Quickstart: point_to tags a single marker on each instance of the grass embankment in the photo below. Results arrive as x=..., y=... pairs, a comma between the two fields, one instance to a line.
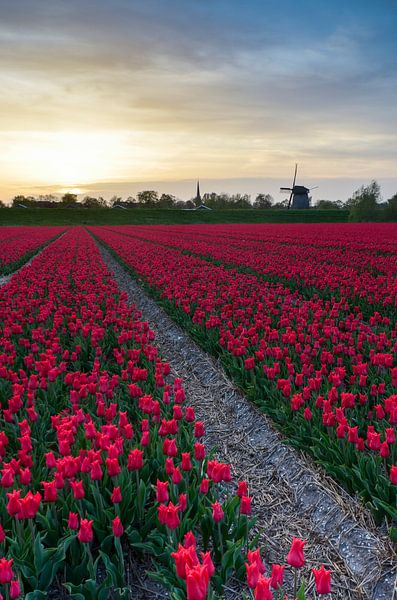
x=141, y=216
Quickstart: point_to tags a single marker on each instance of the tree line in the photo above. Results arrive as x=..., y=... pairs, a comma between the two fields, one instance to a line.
x=365, y=204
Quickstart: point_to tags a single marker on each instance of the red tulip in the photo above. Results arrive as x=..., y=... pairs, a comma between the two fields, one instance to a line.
x=217, y=512
x=50, y=491
x=242, y=489
x=197, y=580
x=393, y=475
x=78, y=489
x=277, y=576
x=323, y=580
x=73, y=520
x=252, y=574
x=117, y=527
x=168, y=515
x=85, y=534
x=135, y=460
x=295, y=556
x=15, y=589
x=116, y=496
x=6, y=573
x=262, y=590
x=245, y=506
x=162, y=491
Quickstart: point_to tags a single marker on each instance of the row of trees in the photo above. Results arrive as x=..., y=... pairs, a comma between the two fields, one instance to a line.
x=364, y=205
x=151, y=199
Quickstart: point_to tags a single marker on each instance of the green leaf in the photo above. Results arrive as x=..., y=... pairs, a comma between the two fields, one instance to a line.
x=301, y=592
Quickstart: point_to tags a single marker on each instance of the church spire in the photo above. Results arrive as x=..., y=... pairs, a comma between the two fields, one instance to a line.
x=198, y=195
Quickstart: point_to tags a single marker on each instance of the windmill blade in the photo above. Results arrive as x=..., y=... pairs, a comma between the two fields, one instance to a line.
x=285, y=189
x=314, y=188
x=296, y=170
x=290, y=198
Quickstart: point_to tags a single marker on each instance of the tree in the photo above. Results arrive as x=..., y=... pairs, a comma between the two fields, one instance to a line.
x=329, y=204
x=282, y=204
x=2, y=204
x=391, y=208
x=148, y=197
x=28, y=201
x=166, y=201
x=263, y=201
x=241, y=201
x=69, y=199
x=91, y=202
x=364, y=203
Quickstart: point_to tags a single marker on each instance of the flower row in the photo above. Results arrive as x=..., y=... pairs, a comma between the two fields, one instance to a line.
x=100, y=452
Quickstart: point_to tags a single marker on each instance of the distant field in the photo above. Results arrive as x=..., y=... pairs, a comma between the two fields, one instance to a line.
x=34, y=216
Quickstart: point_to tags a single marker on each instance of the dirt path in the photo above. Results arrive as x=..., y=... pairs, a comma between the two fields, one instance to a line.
x=291, y=496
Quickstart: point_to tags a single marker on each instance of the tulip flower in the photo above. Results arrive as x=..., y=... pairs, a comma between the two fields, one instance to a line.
x=252, y=574
x=6, y=572
x=162, y=491
x=116, y=496
x=73, y=521
x=262, y=590
x=117, y=527
x=245, y=506
x=277, y=576
x=197, y=580
x=85, y=534
x=15, y=589
x=168, y=515
x=217, y=512
x=295, y=556
x=135, y=460
x=184, y=557
x=323, y=580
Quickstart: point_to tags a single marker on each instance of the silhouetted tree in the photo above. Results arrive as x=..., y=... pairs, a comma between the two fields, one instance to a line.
x=263, y=201
x=391, y=208
x=282, y=204
x=329, y=204
x=69, y=199
x=148, y=198
x=28, y=201
x=363, y=204
x=166, y=201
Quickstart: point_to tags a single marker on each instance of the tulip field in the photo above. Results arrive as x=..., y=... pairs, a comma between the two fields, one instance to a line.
x=102, y=457
x=303, y=318
x=18, y=244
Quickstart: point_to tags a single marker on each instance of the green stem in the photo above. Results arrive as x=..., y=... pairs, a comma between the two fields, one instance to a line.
x=31, y=529
x=295, y=581
x=90, y=561
x=120, y=555
x=220, y=538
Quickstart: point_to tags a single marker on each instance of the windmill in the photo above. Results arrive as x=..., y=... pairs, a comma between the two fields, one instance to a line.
x=299, y=193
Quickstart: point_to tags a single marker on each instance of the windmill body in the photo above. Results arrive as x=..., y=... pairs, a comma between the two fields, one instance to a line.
x=299, y=194
x=300, y=197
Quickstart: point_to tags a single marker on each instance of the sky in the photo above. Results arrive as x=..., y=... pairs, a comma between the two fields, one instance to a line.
x=108, y=98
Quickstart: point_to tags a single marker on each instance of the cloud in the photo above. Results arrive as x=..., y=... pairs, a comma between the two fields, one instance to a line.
x=212, y=87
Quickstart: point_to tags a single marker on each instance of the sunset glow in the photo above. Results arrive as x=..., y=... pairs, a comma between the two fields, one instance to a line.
x=103, y=97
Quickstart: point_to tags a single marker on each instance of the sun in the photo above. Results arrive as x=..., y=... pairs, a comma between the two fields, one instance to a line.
x=65, y=158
